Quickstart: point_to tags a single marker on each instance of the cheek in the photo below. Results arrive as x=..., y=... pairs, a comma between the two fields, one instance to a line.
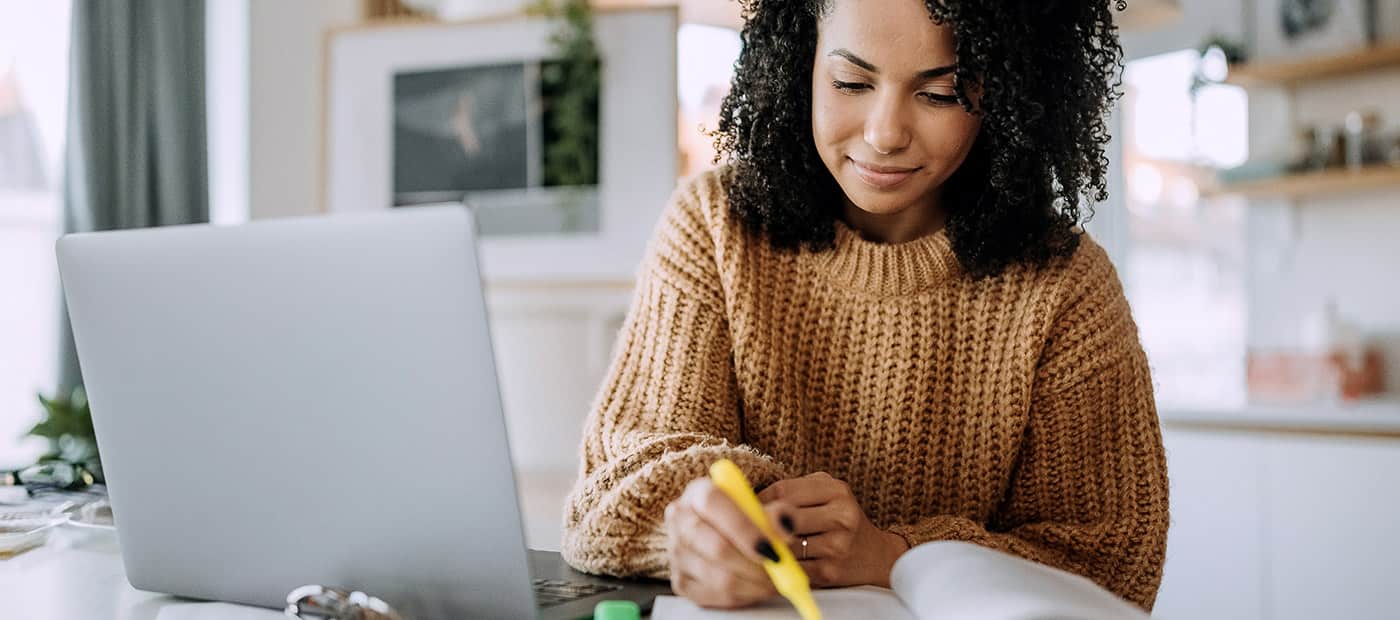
x=832, y=119
x=952, y=138
x=972, y=129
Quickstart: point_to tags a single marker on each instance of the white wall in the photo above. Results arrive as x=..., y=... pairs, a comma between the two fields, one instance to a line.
x=1348, y=246
x=553, y=346
x=1341, y=246
x=35, y=48
x=1200, y=19
x=285, y=86
x=1337, y=246
x=226, y=77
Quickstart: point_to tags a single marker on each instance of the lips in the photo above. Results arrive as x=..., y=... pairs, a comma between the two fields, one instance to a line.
x=882, y=177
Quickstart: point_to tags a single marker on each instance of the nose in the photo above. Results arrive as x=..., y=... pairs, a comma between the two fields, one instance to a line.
x=886, y=129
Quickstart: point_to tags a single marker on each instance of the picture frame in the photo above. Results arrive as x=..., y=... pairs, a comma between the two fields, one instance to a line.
x=1293, y=29
x=432, y=112
x=1387, y=22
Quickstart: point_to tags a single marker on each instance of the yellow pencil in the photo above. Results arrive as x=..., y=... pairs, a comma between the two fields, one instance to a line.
x=786, y=573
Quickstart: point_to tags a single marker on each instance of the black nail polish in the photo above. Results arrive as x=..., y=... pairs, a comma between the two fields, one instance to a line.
x=787, y=524
x=766, y=550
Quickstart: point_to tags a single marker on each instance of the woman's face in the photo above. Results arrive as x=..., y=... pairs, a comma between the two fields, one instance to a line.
x=884, y=116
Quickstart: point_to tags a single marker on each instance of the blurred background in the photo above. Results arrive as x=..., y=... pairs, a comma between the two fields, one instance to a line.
x=1254, y=220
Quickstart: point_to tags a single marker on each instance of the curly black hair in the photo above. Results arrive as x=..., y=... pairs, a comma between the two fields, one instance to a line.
x=1049, y=71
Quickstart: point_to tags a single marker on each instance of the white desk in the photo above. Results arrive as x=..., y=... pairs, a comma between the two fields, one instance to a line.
x=78, y=575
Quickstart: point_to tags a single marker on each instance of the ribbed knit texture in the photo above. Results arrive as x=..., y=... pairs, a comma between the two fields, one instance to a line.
x=1015, y=412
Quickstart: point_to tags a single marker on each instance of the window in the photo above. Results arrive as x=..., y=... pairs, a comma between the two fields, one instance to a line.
x=705, y=57
x=33, y=110
x=1184, y=272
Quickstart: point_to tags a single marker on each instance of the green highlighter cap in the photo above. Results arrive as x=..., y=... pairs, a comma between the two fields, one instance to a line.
x=617, y=610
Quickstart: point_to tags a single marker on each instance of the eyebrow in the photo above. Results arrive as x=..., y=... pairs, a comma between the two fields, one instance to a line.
x=926, y=74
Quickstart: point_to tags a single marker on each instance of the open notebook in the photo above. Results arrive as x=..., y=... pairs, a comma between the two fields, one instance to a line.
x=946, y=580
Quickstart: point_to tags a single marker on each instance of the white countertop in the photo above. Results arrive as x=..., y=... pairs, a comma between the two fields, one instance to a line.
x=79, y=575
x=1379, y=418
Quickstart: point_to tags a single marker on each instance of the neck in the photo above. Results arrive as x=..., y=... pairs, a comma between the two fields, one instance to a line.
x=892, y=228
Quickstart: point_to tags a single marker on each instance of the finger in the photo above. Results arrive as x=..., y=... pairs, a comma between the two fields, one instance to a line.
x=781, y=514
x=704, y=573
x=669, y=517
x=679, y=579
x=831, y=546
x=680, y=583
x=830, y=517
x=715, y=573
x=724, y=516
x=671, y=527
x=820, y=573
x=721, y=584
x=702, y=550
x=809, y=490
x=724, y=594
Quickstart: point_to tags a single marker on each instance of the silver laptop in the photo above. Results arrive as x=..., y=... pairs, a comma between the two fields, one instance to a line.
x=310, y=401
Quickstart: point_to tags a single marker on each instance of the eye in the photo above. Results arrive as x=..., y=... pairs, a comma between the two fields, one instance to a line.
x=940, y=99
x=849, y=87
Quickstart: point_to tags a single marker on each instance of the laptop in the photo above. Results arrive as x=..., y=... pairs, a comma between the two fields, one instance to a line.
x=310, y=401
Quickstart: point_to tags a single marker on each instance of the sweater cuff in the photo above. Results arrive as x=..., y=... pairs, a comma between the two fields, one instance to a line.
x=616, y=527
x=940, y=527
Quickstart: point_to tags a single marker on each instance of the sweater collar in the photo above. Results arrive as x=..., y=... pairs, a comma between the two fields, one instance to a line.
x=889, y=270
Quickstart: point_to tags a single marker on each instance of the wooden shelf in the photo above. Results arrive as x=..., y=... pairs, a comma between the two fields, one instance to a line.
x=1290, y=73
x=1317, y=183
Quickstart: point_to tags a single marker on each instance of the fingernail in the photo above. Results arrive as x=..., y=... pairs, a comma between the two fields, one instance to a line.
x=787, y=524
x=766, y=550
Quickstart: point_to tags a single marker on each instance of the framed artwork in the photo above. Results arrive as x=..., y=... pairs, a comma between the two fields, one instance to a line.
x=426, y=113
x=1290, y=29
x=1387, y=21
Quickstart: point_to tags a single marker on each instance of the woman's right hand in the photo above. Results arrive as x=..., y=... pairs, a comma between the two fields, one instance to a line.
x=716, y=554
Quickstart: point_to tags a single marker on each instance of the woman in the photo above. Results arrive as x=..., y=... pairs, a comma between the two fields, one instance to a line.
x=882, y=308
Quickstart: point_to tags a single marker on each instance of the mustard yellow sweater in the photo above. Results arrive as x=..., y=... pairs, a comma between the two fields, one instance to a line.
x=1014, y=412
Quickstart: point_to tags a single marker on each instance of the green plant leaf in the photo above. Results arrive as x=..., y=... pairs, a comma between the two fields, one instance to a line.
x=67, y=425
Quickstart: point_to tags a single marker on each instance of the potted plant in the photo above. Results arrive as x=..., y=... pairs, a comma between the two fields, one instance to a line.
x=67, y=425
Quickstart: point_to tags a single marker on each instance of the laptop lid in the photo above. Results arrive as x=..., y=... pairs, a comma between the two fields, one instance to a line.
x=309, y=400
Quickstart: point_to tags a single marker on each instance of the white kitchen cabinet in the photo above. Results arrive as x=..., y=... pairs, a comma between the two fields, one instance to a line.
x=1333, y=507
x=1281, y=525
x=1215, y=557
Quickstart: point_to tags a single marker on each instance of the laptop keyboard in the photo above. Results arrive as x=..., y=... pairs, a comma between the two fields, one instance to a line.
x=551, y=592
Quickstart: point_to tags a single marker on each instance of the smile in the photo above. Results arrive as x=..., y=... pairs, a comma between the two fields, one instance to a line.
x=882, y=177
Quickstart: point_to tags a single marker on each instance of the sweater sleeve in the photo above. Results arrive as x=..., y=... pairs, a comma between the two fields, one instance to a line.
x=668, y=407
x=1089, y=492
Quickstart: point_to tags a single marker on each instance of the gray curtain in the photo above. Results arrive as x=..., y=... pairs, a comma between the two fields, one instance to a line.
x=136, y=154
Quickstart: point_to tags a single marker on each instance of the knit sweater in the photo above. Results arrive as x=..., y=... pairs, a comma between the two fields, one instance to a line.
x=1014, y=412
